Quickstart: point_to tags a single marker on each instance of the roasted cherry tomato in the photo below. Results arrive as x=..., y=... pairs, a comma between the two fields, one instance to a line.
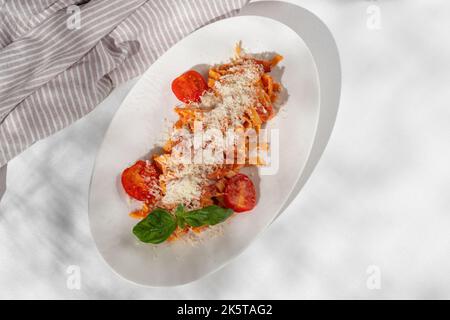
x=240, y=193
x=189, y=87
x=140, y=181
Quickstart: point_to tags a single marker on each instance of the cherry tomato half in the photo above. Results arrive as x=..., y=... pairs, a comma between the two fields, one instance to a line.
x=240, y=193
x=189, y=87
x=140, y=180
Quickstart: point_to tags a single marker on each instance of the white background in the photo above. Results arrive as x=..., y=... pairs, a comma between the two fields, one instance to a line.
x=379, y=196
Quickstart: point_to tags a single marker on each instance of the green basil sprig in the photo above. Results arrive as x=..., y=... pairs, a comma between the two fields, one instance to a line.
x=160, y=224
x=156, y=227
x=207, y=216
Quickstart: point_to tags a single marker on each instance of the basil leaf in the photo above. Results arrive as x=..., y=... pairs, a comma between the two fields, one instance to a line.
x=207, y=216
x=156, y=227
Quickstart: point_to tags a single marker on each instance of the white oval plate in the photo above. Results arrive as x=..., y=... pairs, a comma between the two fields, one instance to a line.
x=137, y=128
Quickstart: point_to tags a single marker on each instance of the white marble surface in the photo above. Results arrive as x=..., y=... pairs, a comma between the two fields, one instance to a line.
x=379, y=196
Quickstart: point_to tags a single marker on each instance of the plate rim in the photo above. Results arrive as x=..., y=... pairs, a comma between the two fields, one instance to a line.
x=130, y=94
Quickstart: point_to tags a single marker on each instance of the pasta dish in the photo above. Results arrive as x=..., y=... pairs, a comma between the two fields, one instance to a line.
x=196, y=181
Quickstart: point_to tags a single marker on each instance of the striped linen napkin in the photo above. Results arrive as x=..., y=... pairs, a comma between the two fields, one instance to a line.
x=61, y=58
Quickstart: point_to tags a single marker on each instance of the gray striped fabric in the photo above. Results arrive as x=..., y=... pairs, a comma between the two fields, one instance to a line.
x=52, y=72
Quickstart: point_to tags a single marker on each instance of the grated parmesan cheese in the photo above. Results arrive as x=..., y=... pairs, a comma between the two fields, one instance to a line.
x=237, y=91
x=232, y=95
x=183, y=190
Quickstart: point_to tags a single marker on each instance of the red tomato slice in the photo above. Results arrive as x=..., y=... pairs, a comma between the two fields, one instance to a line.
x=240, y=193
x=189, y=87
x=140, y=180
